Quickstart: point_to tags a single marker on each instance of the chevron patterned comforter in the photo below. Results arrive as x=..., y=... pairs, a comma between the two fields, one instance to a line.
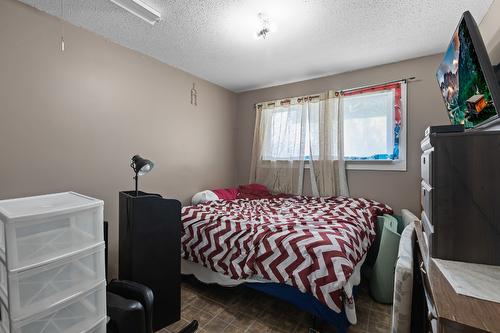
x=312, y=244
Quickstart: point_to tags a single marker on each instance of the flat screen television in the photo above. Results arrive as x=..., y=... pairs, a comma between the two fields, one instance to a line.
x=467, y=80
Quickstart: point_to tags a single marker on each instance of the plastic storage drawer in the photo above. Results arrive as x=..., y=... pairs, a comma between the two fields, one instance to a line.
x=4, y=319
x=39, y=288
x=76, y=315
x=100, y=327
x=41, y=228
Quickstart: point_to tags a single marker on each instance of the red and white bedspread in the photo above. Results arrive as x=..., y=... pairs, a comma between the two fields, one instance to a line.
x=312, y=244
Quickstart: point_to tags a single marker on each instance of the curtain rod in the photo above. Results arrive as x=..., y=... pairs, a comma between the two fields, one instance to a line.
x=408, y=79
x=287, y=100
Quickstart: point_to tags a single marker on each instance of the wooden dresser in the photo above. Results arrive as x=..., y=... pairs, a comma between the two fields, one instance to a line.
x=443, y=310
x=460, y=222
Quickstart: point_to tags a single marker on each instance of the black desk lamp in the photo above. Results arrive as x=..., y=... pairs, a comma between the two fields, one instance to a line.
x=141, y=167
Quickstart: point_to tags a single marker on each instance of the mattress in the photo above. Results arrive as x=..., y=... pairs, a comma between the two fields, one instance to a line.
x=316, y=245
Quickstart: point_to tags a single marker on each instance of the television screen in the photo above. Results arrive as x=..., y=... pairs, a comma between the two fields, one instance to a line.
x=466, y=78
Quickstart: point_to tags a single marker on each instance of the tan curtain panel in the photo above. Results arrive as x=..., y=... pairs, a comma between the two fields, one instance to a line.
x=278, y=149
x=297, y=137
x=327, y=147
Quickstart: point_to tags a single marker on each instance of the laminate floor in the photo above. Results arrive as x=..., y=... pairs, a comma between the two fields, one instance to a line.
x=240, y=309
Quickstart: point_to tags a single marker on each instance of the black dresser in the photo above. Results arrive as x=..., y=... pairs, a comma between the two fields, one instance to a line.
x=460, y=196
x=150, y=250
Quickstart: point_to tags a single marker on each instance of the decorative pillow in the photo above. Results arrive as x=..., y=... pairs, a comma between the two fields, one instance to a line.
x=250, y=191
x=254, y=191
x=226, y=193
x=204, y=196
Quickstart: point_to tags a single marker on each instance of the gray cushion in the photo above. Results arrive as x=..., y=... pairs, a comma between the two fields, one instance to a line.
x=408, y=217
x=403, y=281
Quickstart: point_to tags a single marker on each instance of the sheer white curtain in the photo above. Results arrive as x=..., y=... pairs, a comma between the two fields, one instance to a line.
x=279, y=146
x=292, y=134
x=328, y=175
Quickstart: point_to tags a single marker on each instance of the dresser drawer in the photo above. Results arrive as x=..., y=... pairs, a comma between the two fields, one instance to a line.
x=427, y=231
x=430, y=308
x=426, y=166
x=426, y=193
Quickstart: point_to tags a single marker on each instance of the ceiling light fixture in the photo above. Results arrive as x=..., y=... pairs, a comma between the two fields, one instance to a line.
x=139, y=9
x=266, y=26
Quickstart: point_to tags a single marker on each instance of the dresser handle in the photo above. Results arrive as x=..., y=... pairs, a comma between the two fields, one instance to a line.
x=422, y=269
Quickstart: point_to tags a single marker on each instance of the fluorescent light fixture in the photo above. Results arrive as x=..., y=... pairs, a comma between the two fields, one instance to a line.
x=139, y=9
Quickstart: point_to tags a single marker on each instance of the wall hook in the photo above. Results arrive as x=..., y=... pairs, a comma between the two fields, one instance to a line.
x=194, y=95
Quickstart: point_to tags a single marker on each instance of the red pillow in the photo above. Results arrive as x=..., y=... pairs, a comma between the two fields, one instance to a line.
x=254, y=191
x=226, y=193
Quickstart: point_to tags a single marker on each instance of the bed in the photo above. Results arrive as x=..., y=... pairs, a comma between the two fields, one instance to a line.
x=306, y=250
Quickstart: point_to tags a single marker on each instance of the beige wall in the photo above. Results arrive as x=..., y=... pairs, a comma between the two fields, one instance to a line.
x=425, y=107
x=490, y=30
x=72, y=120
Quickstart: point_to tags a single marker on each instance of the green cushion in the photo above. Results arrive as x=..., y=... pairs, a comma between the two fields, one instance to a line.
x=382, y=275
x=374, y=249
x=391, y=223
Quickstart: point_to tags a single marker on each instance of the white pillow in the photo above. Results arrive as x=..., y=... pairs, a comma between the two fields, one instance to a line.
x=204, y=196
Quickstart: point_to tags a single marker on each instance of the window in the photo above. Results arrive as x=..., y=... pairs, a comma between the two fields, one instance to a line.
x=373, y=127
x=291, y=131
x=374, y=135
x=285, y=136
x=368, y=126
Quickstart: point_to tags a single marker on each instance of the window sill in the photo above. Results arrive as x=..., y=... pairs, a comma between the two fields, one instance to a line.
x=376, y=165
x=365, y=165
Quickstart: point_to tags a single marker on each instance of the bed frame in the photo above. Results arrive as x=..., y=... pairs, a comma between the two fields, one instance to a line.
x=306, y=302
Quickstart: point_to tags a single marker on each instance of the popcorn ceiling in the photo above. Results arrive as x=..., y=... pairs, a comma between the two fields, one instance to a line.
x=214, y=39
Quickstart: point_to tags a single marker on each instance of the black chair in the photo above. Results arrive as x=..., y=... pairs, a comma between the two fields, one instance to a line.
x=129, y=306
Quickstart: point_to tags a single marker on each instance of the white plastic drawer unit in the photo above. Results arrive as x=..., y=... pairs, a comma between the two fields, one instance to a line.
x=41, y=228
x=100, y=327
x=36, y=289
x=82, y=313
